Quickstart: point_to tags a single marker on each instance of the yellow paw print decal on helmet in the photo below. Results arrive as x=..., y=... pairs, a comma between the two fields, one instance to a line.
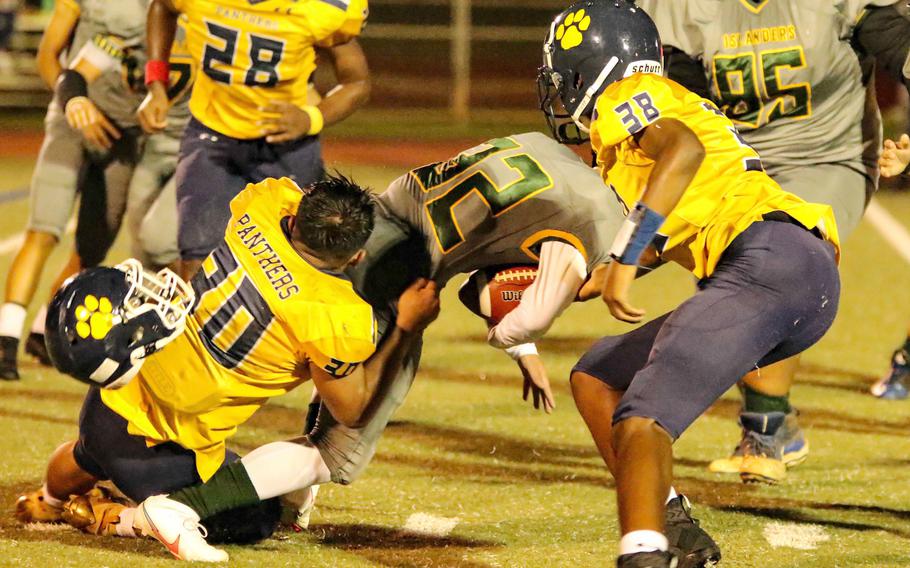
x=569, y=31
x=94, y=317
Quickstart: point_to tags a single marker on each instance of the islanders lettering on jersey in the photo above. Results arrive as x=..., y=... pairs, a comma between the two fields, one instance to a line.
x=760, y=35
x=279, y=277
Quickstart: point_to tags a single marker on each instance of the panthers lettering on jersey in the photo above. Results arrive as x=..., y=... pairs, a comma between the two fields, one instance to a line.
x=251, y=53
x=498, y=202
x=263, y=314
x=730, y=190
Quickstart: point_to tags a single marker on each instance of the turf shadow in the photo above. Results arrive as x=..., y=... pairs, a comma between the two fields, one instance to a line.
x=397, y=548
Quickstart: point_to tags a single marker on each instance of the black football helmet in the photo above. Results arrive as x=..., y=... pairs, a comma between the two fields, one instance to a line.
x=104, y=321
x=592, y=44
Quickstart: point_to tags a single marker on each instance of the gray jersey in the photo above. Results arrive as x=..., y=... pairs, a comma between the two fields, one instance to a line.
x=111, y=39
x=114, y=26
x=498, y=202
x=784, y=71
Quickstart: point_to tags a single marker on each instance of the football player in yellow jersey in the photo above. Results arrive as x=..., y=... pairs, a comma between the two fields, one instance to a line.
x=251, y=119
x=697, y=194
x=272, y=310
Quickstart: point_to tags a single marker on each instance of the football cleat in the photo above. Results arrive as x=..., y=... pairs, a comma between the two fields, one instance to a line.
x=656, y=559
x=96, y=512
x=763, y=455
x=892, y=386
x=9, y=367
x=689, y=543
x=790, y=436
x=297, y=507
x=36, y=347
x=177, y=527
x=32, y=508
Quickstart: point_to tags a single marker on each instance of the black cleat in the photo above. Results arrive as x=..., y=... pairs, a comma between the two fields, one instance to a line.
x=688, y=541
x=36, y=347
x=9, y=369
x=656, y=559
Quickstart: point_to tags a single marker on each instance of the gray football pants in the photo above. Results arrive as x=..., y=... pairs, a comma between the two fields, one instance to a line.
x=151, y=207
x=846, y=190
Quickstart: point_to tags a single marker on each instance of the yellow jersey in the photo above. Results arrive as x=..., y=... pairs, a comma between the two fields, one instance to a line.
x=262, y=314
x=730, y=190
x=253, y=52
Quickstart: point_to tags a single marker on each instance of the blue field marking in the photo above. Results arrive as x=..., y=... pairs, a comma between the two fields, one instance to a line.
x=14, y=195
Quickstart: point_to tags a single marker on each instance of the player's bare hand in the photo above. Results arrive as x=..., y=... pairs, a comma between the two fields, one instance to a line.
x=152, y=113
x=84, y=116
x=418, y=306
x=288, y=122
x=615, y=292
x=536, y=382
x=895, y=156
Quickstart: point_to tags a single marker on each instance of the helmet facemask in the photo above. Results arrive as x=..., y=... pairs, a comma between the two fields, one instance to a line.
x=165, y=293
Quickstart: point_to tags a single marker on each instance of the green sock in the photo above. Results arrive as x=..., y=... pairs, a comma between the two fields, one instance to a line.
x=229, y=488
x=755, y=401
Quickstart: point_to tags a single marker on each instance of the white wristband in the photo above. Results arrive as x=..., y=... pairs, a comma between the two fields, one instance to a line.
x=516, y=352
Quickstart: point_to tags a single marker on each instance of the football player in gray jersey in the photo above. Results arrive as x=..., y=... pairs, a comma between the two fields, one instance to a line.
x=521, y=199
x=795, y=78
x=92, y=145
x=82, y=147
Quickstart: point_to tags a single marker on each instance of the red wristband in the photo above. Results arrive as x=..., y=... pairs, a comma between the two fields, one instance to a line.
x=157, y=70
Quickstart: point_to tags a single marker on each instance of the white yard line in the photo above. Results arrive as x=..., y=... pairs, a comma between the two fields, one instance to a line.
x=892, y=230
x=793, y=535
x=425, y=523
x=11, y=243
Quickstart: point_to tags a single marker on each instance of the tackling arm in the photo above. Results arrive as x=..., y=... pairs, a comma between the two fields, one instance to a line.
x=348, y=398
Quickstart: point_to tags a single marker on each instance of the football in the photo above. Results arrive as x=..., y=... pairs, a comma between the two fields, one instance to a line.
x=494, y=292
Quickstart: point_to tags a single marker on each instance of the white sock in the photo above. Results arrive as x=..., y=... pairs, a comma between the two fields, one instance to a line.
x=673, y=494
x=125, y=526
x=282, y=467
x=12, y=320
x=50, y=499
x=38, y=322
x=642, y=541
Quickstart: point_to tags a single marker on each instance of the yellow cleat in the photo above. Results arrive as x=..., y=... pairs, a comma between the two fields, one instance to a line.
x=96, y=512
x=726, y=465
x=32, y=508
x=762, y=469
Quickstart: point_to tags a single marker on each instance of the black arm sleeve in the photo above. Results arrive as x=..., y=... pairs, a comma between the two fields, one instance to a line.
x=70, y=85
x=884, y=33
x=686, y=70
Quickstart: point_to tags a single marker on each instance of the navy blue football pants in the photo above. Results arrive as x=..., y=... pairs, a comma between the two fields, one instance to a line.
x=773, y=294
x=106, y=450
x=213, y=168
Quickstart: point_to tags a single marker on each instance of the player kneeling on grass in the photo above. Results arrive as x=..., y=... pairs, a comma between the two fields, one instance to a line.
x=272, y=309
x=766, y=260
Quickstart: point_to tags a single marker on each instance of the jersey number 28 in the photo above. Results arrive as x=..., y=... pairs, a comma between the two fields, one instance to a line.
x=264, y=54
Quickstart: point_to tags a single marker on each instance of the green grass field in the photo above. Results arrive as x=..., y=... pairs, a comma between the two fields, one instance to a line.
x=528, y=489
